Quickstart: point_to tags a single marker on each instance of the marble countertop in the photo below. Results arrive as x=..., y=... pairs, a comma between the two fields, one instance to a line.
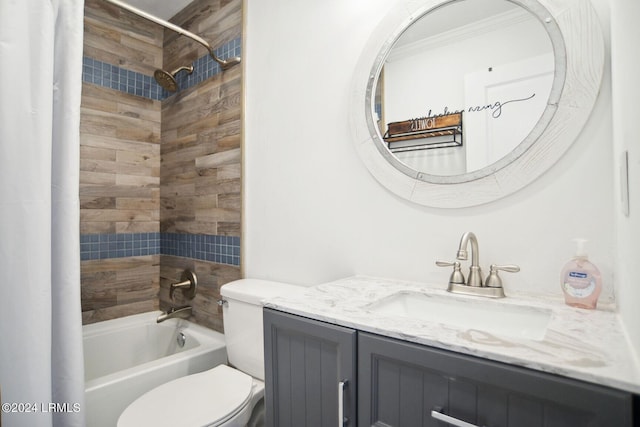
x=588, y=345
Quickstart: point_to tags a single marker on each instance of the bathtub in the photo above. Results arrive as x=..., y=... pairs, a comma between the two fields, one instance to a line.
x=126, y=357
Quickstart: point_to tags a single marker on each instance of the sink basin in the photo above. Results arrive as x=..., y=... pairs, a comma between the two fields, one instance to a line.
x=493, y=317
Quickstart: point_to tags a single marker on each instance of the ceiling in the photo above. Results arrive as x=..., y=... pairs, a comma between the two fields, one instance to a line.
x=164, y=9
x=454, y=15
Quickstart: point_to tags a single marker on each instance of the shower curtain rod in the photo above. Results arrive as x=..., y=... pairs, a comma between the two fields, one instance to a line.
x=224, y=64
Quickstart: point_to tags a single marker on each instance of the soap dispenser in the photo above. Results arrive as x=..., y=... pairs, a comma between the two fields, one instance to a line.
x=580, y=280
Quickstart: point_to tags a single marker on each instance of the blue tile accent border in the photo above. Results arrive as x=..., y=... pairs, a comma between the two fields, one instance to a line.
x=102, y=246
x=134, y=83
x=219, y=249
x=114, y=77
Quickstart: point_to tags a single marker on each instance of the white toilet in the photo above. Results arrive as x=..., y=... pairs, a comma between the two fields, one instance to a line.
x=224, y=395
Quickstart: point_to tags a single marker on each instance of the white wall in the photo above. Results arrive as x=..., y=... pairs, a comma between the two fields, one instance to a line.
x=625, y=34
x=313, y=213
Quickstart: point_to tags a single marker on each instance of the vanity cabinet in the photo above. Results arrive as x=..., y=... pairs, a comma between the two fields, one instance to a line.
x=399, y=383
x=310, y=372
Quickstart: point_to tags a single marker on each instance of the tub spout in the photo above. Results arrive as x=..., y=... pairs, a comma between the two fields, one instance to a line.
x=175, y=312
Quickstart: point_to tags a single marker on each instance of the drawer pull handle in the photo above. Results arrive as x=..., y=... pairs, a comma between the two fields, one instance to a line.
x=451, y=420
x=342, y=420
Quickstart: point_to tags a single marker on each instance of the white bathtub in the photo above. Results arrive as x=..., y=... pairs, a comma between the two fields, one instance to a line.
x=126, y=357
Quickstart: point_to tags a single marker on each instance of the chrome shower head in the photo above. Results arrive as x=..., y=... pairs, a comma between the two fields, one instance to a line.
x=168, y=80
x=225, y=64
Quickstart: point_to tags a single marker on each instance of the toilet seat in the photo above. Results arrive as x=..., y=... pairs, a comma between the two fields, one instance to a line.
x=208, y=398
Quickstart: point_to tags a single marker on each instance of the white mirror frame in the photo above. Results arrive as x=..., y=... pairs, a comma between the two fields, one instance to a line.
x=579, y=52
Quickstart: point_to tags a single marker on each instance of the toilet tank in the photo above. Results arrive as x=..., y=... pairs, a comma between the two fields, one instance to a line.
x=242, y=315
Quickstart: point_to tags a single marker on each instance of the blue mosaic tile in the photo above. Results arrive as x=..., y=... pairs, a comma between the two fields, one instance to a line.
x=103, y=246
x=134, y=83
x=219, y=249
x=114, y=77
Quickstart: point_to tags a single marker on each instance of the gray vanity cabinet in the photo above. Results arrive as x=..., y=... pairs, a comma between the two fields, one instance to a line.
x=401, y=383
x=306, y=364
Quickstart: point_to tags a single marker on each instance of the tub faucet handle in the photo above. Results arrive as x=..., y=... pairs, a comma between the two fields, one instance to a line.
x=188, y=284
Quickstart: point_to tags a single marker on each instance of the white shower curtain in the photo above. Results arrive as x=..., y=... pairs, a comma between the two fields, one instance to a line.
x=41, y=363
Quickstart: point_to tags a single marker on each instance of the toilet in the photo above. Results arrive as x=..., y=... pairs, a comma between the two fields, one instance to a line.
x=224, y=395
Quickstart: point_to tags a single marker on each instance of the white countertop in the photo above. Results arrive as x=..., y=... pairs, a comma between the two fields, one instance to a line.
x=588, y=345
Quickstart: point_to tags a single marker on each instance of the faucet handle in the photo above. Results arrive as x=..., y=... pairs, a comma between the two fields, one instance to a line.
x=188, y=284
x=456, y=276
x=493, y=280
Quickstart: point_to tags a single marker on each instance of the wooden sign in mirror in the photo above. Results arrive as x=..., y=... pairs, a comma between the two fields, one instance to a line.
x=424, y=133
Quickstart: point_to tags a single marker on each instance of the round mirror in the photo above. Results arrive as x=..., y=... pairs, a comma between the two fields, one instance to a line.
x=469, y=81
x=466, y=100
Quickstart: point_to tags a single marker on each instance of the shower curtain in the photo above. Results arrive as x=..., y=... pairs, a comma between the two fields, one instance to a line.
x=41, y=363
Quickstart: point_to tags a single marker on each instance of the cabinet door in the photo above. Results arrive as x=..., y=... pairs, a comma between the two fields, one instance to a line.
x=400, y=384
x=305, y=363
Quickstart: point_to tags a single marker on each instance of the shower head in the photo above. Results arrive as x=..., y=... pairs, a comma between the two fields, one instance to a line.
x=168, y=79
x=225, y=64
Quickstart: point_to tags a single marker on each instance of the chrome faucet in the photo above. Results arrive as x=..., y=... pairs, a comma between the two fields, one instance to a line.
x=175, y=312
x=475, y=274
x=474, y=286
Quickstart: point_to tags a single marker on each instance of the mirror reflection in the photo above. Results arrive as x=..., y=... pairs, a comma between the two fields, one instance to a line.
x=463, y=86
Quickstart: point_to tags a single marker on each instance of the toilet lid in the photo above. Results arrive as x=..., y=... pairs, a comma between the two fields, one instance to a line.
x=196, y=400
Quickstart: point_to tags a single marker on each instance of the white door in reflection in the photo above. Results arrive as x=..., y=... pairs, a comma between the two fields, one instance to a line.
x=507, y=101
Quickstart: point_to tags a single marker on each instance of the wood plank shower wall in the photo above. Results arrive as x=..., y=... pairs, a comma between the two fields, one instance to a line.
x=150, y=166
x=201, y=161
